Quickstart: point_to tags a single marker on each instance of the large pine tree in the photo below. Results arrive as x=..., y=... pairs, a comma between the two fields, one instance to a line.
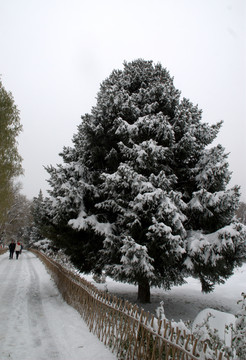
x=144, y=193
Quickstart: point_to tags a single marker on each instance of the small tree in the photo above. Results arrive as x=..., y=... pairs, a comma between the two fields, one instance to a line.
x=35, y=232
x=141, y=189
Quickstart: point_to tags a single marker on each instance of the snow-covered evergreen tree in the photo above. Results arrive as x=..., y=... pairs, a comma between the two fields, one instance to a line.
x=142, y=188
x=38, y=213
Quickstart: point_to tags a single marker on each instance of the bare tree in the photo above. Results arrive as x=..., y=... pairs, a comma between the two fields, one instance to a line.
x=241, y=213
x=18, y=217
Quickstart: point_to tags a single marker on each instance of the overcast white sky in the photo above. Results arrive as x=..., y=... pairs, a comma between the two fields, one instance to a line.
x=55, y=53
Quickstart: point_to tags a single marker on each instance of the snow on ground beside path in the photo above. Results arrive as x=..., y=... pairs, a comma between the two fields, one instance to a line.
x=186, y=301
x=35, y=322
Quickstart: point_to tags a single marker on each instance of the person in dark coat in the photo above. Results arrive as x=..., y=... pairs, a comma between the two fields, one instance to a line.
x=11, y=249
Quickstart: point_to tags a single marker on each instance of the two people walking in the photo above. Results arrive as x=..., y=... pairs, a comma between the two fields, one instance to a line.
x=17, y=248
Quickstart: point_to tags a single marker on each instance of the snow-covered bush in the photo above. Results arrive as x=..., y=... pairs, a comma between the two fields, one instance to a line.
x=220, y=331
x=43, y=245
x=239, y=338
x=215, y=328
x=47, y=247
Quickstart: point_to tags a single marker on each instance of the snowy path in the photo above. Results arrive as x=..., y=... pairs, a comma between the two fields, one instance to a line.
x=35, y=322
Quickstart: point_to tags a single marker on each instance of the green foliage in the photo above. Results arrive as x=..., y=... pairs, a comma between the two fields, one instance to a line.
x=10, y=160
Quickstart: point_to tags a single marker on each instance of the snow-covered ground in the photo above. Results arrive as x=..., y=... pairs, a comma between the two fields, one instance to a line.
x=35, y=322
x=186, y=301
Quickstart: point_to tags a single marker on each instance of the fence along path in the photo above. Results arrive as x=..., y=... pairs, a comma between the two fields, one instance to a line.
x=130, y=332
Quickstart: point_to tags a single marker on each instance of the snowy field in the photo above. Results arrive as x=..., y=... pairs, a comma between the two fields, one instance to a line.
x=186, y=301
x=35, y=322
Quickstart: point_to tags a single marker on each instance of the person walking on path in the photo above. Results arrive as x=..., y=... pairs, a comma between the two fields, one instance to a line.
x=17, y=250
x=11, y=249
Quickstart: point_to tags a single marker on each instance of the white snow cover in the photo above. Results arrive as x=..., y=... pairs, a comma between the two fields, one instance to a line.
x=187, y=301
x=83, y=221
x=35, y=322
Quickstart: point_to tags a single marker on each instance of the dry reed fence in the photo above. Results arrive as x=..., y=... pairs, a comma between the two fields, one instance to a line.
x=3, y=250
x=129, y=332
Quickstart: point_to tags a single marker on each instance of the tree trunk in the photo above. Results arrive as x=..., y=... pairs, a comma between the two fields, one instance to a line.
x=144, y=291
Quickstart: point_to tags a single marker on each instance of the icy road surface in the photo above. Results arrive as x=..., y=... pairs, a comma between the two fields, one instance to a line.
x=35, y=322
